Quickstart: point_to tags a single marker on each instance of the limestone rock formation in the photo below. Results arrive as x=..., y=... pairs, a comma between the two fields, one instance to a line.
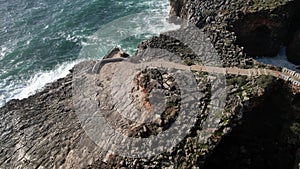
x=63, y=127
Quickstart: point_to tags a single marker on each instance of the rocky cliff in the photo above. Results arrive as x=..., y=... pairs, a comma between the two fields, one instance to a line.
x=254, y=125
x=259, y=27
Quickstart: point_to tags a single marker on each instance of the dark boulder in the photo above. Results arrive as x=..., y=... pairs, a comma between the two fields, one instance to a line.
x=293, y=49
x=176, y=6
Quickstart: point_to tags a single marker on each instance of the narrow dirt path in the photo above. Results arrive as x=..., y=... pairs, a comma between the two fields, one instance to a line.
x=286, y=74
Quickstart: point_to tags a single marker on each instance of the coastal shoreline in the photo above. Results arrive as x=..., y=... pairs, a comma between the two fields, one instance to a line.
x=259, y=118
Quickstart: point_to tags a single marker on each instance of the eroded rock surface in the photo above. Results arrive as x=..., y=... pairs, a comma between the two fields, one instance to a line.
x=63, y=127
x=242, y=28
x=43, y=131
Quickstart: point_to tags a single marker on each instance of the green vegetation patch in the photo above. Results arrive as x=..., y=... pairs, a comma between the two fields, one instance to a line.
x=263, y=81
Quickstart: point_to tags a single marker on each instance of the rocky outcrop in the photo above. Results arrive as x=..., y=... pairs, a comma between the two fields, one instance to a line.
x=116, y=53
x=258, y=28
x=237, y=32
x=48, y=130
x=43, y=131
x=62, y=126
x=264, y=32
x=176, y=7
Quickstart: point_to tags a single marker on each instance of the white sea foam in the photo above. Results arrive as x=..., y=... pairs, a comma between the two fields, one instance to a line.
x=21, y=89
x=145, y=24
x=39, y=80
x=3, y=52
x=148, y=23
x=280, y=60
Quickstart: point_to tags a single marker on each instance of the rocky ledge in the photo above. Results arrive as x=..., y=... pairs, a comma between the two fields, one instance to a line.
x=216, y=120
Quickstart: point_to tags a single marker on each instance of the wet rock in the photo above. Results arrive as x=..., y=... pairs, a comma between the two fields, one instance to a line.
x=116, y=53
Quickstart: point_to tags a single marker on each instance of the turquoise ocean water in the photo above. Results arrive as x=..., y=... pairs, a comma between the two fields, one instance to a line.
x=40, y=40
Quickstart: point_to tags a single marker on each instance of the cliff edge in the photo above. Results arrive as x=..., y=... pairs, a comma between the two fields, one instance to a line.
x=236, y=121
